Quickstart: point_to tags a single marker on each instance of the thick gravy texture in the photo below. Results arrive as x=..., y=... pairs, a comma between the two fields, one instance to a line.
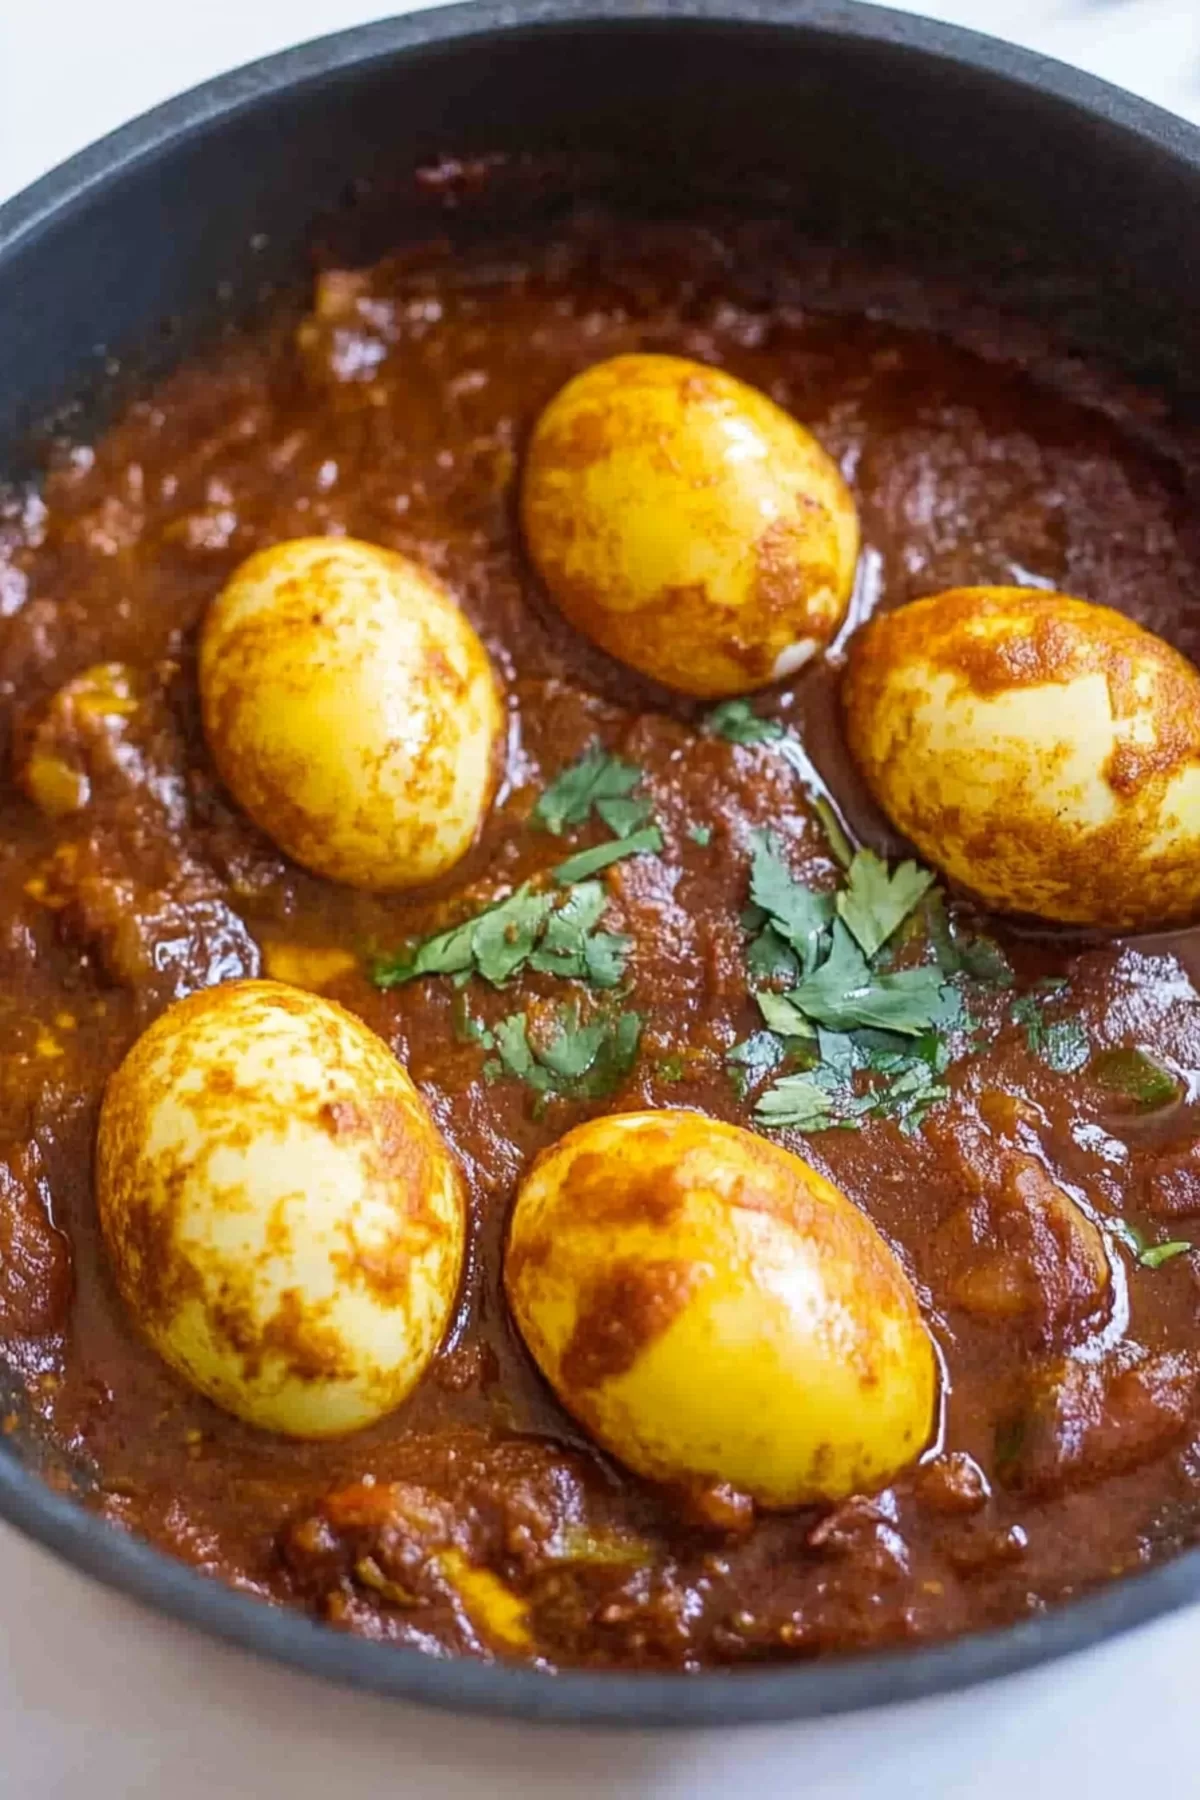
x=396, y=411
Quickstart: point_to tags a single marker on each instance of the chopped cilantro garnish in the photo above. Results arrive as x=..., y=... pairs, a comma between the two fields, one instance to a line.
x=782, y=1016
x=1061, y=1043
x=798, y=1102
x=506, y=934
x=700, y=834
x=840, y=847
x=595, y=780
x=575, y=1061
x=984, y=960
x=1158, y=1254
x=624, y=816
x=1149, y=1256
x=737, y=721
x=571, y=946
x=875, y=900
x=752, y=1059
x=797, y=915
x=493, y=943
x=672, y=1067
x=770, y=959
x=1135, y=1075
x=815, y=965
x=525, y=930
x=844, y=992
x=600, y=856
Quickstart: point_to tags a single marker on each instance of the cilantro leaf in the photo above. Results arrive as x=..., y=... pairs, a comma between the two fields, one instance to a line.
x=506, y=934
x=595, y=778
x=590, y=862
x=1137, y=1076
x=512, y=1047
x=525, y=930
x=752, y=1059
x=1158, y=1254
x=700, y=834
x=770, y=959
x=875, y=900
x=845, y=992
x=572, y=1051
x=738, y=723
x=984, y=960
x=576, y=1061
x=573, y=949
x=1060, y=1043
x=799, y=915
x=625, y=816
x=781, y=1016
x=508, y=927
x=796, y=1101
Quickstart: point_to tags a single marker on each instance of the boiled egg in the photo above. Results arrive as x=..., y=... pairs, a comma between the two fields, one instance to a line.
x=1041, y=750
x=351, y=710
x=283, y=1219
x=687, y=524
x=712, y=1309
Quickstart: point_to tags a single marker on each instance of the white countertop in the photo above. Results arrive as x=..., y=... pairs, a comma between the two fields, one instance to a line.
x=100, y=1699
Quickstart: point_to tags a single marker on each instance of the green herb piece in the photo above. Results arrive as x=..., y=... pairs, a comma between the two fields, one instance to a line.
x=598, y=1547
x=1158, y=1254
x=513, y=1054
x=468, y=1029
x=509, y=930
x=505, y=935
x=623, y=817
x=700, y=834
x=571, y=947
x=782, y=1017
x=1064, y=1046
x=797, y=1102
x=840, y=847
x=594, y=778
x=770, y=960
x=1060, y=1043
x=1135, y=1075
x=799, y=916
x=845, y=992
x=576, y=1061
x=671, y=1067
x=601, y=856
x=614, y=1058
x=984, y=960
x=911, y=1093
x=738, y=723
x=752, y=1060
x=527, y=929
x=876, y=900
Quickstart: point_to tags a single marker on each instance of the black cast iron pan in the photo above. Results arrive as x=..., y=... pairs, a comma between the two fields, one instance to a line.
x=1037, y=185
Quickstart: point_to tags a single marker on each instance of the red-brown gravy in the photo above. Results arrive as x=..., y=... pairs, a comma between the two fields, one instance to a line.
x=397, y=411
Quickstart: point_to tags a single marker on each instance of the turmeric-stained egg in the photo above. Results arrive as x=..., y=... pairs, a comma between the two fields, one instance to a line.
x=1041, y=750
x=713, y=1310
x=351, y=710
x=283, y=1219
x=687, y=524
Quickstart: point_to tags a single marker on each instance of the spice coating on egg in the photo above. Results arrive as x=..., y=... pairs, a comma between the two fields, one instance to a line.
x=713, y=1310
x=351, y=710
x=283, y=1219
x=688, y=525
x=1039, y=749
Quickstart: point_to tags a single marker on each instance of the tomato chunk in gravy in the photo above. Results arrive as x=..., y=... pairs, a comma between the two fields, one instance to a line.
x=1040, y=1183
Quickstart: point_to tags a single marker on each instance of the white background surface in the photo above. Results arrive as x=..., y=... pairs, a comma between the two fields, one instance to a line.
x=98, y=1699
